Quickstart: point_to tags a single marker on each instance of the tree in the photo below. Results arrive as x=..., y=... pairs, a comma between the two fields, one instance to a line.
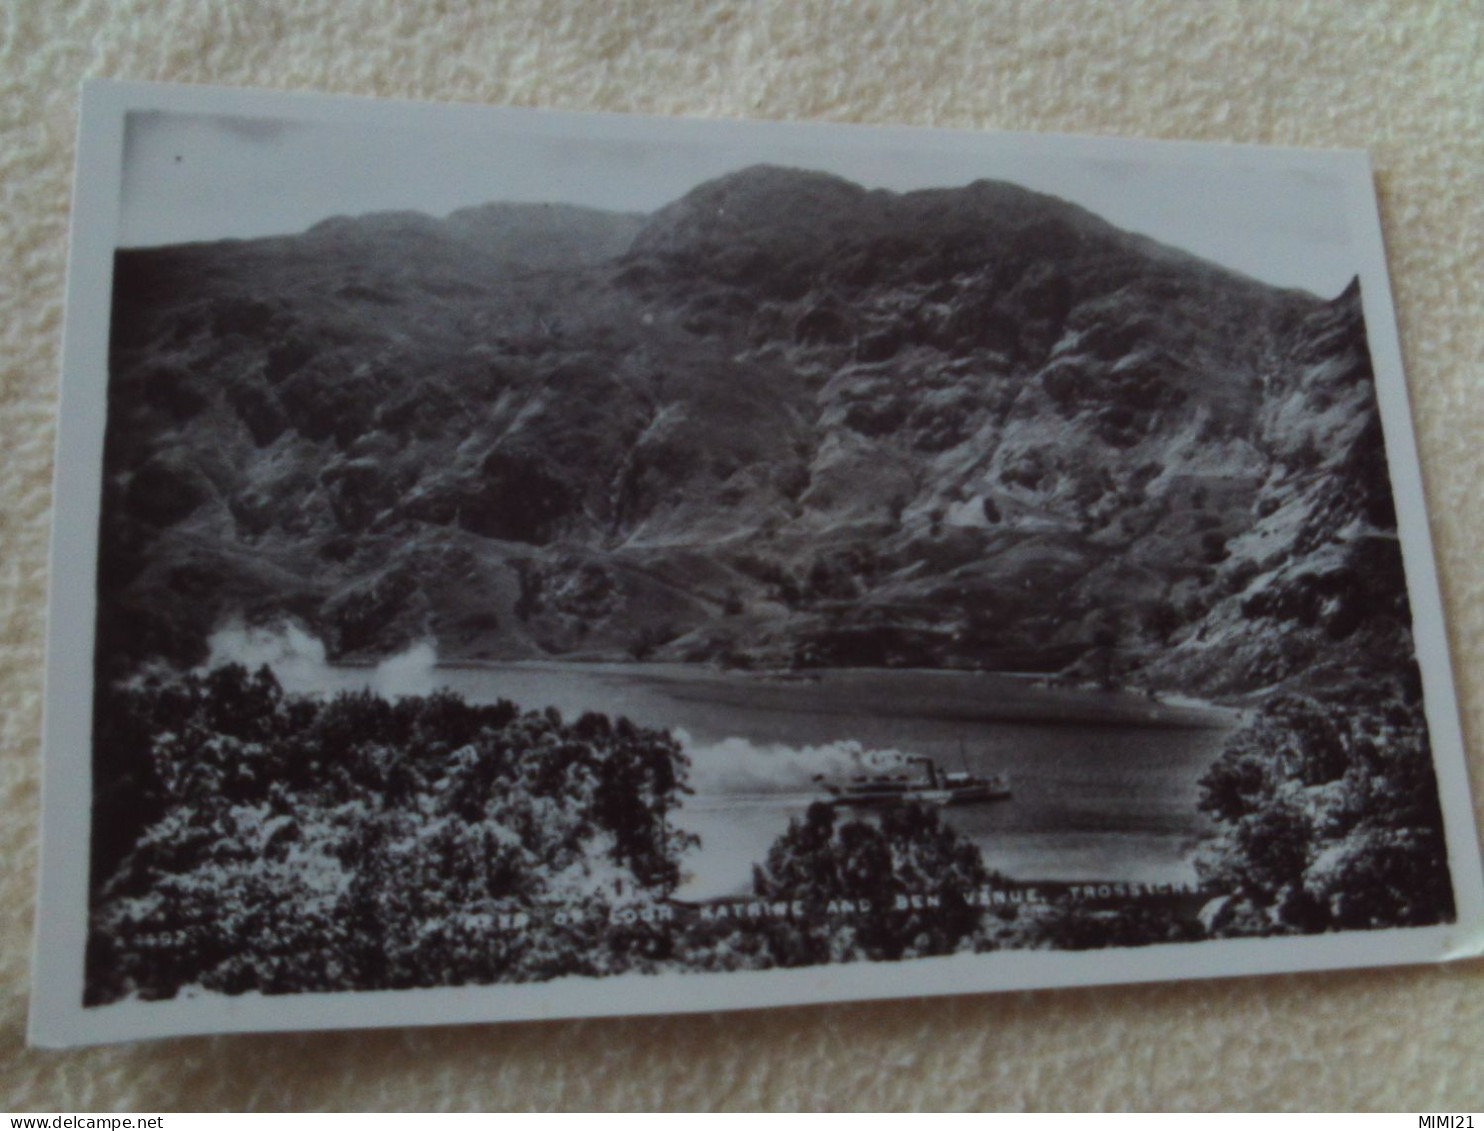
x=279, y=844
x=1328, y=819
x=908, y=878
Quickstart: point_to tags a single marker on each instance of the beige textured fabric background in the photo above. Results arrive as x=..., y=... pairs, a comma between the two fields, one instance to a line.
x=1405, y=80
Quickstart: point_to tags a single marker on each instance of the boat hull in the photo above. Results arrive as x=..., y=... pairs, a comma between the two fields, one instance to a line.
x=974, y=795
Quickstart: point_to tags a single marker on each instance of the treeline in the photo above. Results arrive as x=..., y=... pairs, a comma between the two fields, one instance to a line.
x=919, y=875
x=249, y=840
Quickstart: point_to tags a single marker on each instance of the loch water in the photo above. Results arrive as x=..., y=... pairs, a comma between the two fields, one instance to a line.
x=1105, y=784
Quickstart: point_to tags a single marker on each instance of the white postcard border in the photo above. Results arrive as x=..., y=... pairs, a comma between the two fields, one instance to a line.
x=58, y=1017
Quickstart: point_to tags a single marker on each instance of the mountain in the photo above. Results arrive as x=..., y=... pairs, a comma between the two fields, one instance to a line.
x=783, y=421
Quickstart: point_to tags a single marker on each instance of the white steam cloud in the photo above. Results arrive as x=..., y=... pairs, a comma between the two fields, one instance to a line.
x=409, y=672
x=297, y=658
x=738, y=766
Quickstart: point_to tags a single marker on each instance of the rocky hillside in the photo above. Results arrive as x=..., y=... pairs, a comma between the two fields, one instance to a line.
x=782, y=421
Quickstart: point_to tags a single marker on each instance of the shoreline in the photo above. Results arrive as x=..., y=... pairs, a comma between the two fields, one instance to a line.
x=1035, y=703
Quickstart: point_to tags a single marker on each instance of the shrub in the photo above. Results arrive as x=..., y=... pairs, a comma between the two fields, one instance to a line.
x=1328, y=819
x=248, y=840
x=821, y=860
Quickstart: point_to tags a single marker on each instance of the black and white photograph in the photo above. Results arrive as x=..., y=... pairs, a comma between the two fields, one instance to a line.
x=596, y=565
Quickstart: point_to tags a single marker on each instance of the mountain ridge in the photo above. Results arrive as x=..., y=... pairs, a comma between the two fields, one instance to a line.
x=782, y=421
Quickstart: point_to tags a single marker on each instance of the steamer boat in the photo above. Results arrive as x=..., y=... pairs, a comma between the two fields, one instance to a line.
x=930, y=786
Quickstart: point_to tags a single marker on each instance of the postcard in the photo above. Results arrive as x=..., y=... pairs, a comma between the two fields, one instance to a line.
x=512, y=564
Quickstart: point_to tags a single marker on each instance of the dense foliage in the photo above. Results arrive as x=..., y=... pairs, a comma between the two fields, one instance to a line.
x=858, y=889
x=1329, y=819
x=903, y=884
x=250, y=840
x=911, y=857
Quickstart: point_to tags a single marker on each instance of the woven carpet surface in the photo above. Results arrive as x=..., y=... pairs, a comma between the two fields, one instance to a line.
x=1405, y=80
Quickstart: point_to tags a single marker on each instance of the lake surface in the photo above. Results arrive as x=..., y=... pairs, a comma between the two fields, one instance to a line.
x=1105, y=785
